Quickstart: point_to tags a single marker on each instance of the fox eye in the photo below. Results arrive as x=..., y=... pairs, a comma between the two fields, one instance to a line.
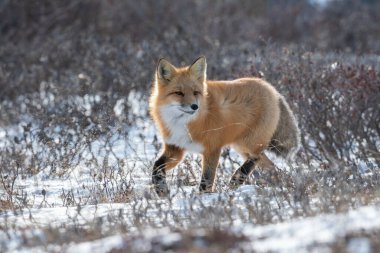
x=197, y=93
x=179, y=93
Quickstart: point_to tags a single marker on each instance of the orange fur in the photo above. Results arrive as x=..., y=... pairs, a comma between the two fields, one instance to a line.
x=242, y=113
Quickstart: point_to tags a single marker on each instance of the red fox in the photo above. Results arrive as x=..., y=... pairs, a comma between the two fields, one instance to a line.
x=202, y=116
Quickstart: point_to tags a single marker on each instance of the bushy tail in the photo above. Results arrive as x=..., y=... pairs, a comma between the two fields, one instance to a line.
x=286, y=139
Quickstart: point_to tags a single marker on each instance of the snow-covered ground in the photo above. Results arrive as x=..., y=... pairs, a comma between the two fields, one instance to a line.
x=301, y=235
x=142, y=221
x=312, y=234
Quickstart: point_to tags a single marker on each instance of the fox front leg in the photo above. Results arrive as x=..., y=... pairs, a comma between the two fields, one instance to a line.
x=209, y=164
x=159, y=176
x=171, y=156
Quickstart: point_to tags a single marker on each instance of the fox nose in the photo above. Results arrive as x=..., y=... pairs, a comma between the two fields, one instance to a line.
x=194, y=107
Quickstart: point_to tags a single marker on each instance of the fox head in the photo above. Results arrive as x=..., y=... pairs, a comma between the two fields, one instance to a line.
x=181, y=92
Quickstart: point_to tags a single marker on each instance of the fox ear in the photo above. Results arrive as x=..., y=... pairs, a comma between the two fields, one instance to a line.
x=199, y=68
x=165, y=70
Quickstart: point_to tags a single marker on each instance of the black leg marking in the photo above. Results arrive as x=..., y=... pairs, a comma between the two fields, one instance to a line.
x=206, y=181
x=159, y=170
x=242, y=173
x=159, y=176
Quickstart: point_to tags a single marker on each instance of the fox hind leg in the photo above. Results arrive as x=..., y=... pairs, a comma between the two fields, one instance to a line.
x=241, y=174
x=252, y=147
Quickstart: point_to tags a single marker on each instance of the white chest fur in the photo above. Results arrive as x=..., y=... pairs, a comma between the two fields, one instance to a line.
x=176, y=121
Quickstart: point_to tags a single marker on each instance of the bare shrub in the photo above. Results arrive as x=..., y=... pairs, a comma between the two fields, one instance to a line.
x=336, y=102
x=75, y=78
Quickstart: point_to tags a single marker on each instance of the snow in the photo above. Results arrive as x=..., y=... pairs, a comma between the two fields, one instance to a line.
x=299, y=235
x=185, y=207
x=359, y=245
x=102, y=245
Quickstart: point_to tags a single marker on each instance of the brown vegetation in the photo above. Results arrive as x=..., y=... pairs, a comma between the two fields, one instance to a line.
x=55, y=55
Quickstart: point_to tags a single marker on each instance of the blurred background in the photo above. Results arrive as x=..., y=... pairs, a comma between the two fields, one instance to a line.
x=323, y=55
x=75, y=77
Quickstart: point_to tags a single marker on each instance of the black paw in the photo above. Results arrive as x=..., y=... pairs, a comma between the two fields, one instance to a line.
x=237, y=180
x=205, y=187
x=162, y=190
x=159, y=182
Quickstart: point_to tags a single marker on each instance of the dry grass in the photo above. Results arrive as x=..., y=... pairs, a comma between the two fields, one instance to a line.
x=62, y=79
